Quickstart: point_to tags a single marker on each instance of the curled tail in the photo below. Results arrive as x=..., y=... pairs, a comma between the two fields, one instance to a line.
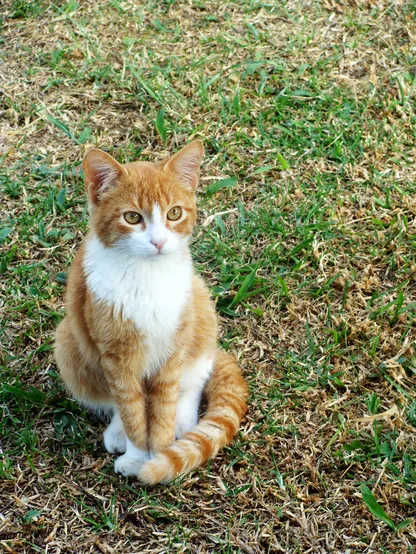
x=226, y=392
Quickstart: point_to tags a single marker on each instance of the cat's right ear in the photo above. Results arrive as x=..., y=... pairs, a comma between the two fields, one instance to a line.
x=101, y=172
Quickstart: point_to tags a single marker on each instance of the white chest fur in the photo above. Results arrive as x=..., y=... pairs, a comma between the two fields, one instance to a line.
x=152, y=293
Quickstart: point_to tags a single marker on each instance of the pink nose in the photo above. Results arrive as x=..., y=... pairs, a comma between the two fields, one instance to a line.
x=160, y=243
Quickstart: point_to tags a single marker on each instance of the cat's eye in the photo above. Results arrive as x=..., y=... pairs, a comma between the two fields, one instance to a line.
x=174, y=213
x=133, y=218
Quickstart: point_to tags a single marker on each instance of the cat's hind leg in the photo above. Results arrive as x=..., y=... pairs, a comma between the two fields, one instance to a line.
x=114, y=435
x=84, y=379
x=80, y=370
x=193, y=380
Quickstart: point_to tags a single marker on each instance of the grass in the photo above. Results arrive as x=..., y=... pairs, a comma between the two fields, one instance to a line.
x=306, y=237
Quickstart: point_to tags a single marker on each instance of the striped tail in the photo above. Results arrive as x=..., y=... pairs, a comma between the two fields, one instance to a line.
x=227, y=393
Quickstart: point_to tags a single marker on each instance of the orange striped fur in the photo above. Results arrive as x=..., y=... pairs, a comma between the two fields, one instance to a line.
x=139, y=337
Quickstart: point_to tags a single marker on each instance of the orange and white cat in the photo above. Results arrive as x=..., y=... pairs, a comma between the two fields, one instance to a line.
x=139, y=337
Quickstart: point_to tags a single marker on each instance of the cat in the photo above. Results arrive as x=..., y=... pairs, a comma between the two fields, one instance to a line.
x=139, y=336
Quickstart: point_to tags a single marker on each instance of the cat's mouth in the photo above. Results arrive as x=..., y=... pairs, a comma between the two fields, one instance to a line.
x=158, y=254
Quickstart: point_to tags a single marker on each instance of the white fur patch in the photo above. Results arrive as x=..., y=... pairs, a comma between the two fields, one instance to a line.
x=151, y=291
x=193, y=380
x=106, y=174
x=130, y=463
x=114, y=435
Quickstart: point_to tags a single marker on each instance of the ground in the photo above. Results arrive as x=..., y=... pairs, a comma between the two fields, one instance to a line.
x=306, y=236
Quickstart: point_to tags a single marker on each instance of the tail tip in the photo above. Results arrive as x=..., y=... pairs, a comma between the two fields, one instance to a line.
x=155, y=471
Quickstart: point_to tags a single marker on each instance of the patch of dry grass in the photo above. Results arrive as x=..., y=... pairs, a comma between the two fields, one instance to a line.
x=311, y=106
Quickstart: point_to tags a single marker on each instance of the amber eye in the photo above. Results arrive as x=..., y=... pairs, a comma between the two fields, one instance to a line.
x=133, y=218
x=174, y=213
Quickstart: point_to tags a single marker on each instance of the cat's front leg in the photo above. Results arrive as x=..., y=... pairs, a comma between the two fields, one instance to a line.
x=134, y=421
x=133, y=416
x=128, y=392
x=163, y=394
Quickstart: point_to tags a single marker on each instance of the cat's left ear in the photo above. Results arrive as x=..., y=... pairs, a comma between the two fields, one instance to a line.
x=186, y=163
x=101, y=172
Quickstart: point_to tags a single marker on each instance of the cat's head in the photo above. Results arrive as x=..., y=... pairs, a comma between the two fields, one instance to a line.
x=146, y=209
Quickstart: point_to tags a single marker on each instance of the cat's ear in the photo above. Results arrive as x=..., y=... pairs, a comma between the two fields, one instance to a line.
x=186, y=163
x=101, y=172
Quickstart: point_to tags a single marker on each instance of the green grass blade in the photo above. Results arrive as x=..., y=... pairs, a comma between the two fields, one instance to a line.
x=245, y=285
x=62, y=127
x=282, y=161
x=229, y=182
x=283, y=285
x=300, y=247
x=32, y=394
x=374, y=507
x=5, y=232
x=160, y=124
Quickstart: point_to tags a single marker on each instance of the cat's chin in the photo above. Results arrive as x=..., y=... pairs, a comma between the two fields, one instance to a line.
x=140, y=255
x=157, y=257
x=164, y=255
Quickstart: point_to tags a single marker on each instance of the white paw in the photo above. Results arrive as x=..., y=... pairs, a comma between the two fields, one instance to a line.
x=127, y=466
x=115, y=440
x=184, y=423
x=130, y=463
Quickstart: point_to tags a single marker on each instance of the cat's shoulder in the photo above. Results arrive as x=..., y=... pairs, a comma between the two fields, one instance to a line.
x=201, y=292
